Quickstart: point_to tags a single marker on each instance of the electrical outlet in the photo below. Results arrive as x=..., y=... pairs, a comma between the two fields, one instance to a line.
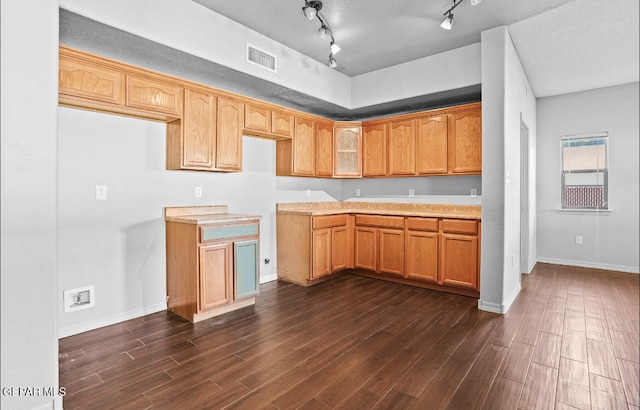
x=198, y=192
x=578, y=240
x=412, y=192
x=267, y=261
x=357, y=191
x=101, y=192
x=474, y=192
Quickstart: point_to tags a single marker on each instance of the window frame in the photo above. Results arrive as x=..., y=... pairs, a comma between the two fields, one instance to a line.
x=605, y=178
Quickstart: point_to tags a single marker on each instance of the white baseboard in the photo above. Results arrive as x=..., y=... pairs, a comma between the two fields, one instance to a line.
x=110, y=320
x=500, y=308
x=268, y=278
x=593, y=265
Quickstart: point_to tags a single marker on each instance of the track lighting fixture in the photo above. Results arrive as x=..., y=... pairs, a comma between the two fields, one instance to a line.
x=311, y=10
x=447, y=23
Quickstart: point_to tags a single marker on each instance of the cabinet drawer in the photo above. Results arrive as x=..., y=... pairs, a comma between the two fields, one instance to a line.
x=329, y=221
x=463, y=226
x=212, y=233
x=422, y=224
x=396, y=222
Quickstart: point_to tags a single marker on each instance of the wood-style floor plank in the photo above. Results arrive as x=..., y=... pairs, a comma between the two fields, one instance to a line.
x=569, y=341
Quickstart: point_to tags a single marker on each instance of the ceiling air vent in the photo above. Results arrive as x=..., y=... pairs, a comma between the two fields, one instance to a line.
x=261, y=58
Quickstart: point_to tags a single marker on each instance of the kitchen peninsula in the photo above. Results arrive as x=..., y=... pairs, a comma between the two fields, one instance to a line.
x=435, y=246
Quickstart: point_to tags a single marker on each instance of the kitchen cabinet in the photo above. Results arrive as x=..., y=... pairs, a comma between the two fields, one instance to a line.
x=465, y=140
x=230, y=118
x=311, y=248
x=421, y=248
x=379, y=243
x=90, y=81
x=374, y=150
x=324, y=149
x=401, y=147
x=347, y=155
x=459, y=253
x=297, y=156
x=153, y=94
x=257, y=118
x=191, y=142
x=212, y=268
x=268, y=122
x=431, y=144
x=282, y=123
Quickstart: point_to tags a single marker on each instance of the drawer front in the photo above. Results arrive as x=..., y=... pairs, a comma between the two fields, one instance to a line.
x=329, y=221
x=463, y=226
x=212, y=233
x=382, y=221
x=422, y=224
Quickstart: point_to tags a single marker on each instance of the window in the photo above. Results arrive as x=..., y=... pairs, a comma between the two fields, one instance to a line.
x=585, y=171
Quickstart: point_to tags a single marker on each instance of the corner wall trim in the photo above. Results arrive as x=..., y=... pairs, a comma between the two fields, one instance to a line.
x=500, y=308
x=110, y=320
x=594, y=265
x=268, y=278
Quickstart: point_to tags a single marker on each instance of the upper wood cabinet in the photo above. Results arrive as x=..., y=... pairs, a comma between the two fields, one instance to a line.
x=94, y=82
x=374, y=150
x=465, y=140
x=431, y=144
x=154, y=95
x=401, y=147
x=282, y=123
x=192, y=143
x=297, y=156
x=347, y=154
x=230, y=118
x=257, y=118
x=324, y=149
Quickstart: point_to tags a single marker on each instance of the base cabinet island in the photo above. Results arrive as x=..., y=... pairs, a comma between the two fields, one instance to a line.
x=428, y=245
x=212, y=261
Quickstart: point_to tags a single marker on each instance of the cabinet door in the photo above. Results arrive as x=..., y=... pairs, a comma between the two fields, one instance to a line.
x=282, y=123
x=215, y=276
x=459, y=261
x=304, y=151
x=421, y=257
x=257, y=118
x=154, y=95
x=229, y=134
x=374, y=150
x=391, y=251
x=199, y=130
x=321, y=244
x=465, y=141
x=402, y=146
x=347, y=152
x=324, y=149
x=431, y=145
x=339, y=248
x=78, y=78
x=246, y=269
x=366, y=248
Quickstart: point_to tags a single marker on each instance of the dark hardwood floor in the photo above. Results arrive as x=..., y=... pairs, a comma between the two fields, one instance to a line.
x=570, y=340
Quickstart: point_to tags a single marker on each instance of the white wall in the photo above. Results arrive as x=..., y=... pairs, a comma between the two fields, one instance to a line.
x=610, y=240
x=28, y=148
x=118, y=245
x=441, y=72
x=506, y=96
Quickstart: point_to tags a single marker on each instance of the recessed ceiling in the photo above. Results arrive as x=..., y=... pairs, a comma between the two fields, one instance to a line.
x=564, y=45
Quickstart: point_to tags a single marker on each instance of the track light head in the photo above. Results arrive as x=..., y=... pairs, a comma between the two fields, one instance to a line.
x=475, y=2
x=335, y=49
x=311, y=9
x=324, y=32
x=447, y=23
x=332, y=62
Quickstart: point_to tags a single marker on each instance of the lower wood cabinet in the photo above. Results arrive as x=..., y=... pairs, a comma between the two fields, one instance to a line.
x=437, y=253
x=211, y=269
x=311, y=248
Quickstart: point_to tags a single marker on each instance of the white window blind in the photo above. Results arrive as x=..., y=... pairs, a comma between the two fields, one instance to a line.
x=584, y=173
